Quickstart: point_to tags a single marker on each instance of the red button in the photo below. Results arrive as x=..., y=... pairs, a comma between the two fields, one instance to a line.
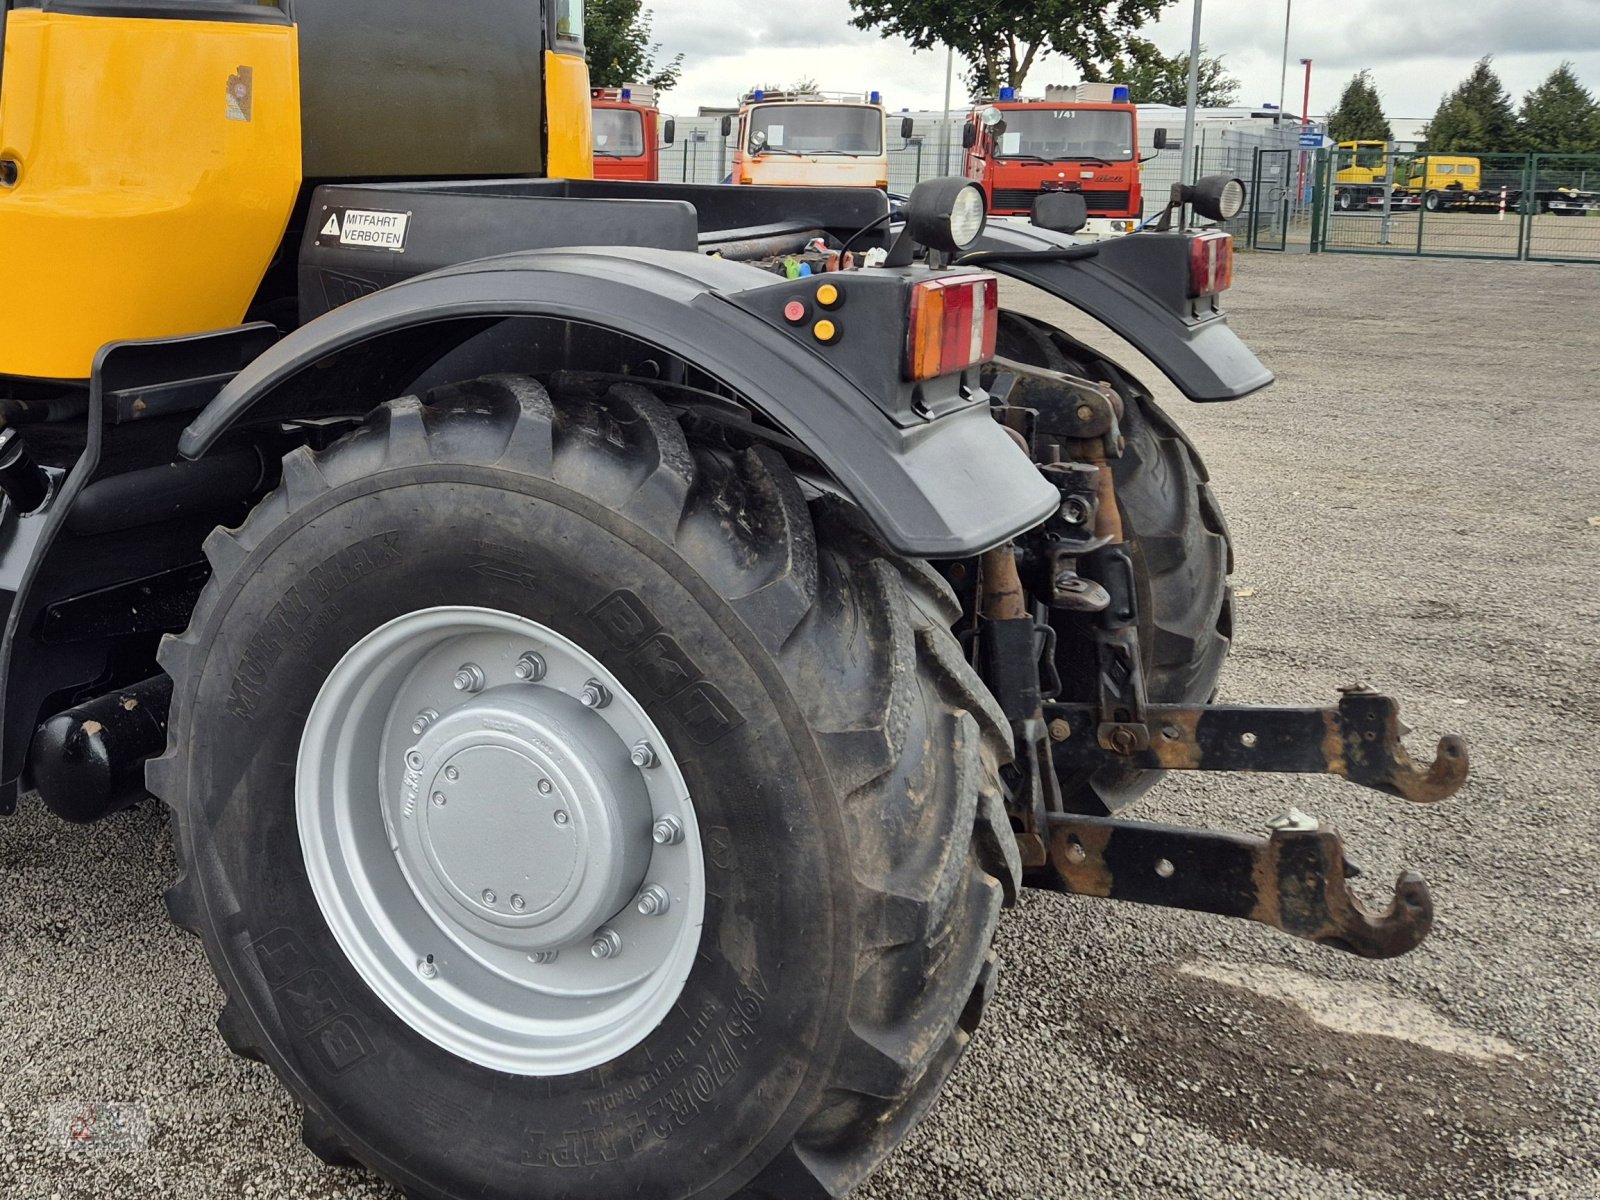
x=794, y=312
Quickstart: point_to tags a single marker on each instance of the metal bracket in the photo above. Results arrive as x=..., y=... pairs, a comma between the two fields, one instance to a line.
x=1293, y=881
x=1360, y=740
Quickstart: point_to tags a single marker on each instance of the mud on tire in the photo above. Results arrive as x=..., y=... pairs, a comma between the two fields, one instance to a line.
x=842, y=759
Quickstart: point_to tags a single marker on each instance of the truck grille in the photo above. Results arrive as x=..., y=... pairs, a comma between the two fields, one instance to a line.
x=1021, y=199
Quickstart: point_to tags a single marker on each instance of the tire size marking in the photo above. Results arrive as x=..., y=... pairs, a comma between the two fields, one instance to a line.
x=708, y=1058
x=665, y=668
x=302, y=613
x=311, y=1001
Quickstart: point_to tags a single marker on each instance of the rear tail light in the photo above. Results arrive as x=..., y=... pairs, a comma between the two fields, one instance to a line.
x=1210, y=263
x=954, y=321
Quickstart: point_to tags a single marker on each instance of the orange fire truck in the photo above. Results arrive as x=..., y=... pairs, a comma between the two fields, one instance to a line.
x=629, y=133
x=1083, y=138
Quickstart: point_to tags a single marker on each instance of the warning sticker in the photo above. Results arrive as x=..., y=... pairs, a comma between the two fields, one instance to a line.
x=366, y=228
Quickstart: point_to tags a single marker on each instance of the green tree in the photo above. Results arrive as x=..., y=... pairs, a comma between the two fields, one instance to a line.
x=1477, y=116
x=1359, y=115
x=1002, y=41
x=1560, y=116
x=617, y=35
x=1155, y=78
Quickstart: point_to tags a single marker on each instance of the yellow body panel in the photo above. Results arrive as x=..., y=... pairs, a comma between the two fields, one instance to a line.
x=156, y=182
x=1445, y=171
x=568, y=117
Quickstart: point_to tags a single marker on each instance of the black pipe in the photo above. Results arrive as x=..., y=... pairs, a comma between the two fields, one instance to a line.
x=88, y=762
x=23, y=481
x=177, y=489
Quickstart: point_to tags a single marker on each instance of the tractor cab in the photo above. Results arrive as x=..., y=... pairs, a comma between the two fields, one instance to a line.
x=103, y=211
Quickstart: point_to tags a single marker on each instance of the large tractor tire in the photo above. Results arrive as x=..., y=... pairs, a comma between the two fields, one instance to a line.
x=569, y=810
x=1180, y=547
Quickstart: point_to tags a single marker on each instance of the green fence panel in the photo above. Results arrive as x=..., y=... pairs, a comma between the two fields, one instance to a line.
x=1563, y=208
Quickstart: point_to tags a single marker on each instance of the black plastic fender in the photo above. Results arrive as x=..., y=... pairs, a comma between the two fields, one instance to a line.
x=1135, y=285
x=948, y=486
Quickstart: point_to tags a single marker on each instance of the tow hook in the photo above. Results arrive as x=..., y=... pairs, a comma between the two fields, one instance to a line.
x=1293, y=880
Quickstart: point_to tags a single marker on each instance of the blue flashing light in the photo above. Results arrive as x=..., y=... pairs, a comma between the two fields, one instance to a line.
x=1119, y=95
x=758, y=95
x=627, y=93
x=1008, y=93
x=876, y=98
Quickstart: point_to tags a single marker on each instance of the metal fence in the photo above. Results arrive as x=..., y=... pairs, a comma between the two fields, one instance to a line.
x=1503, y=206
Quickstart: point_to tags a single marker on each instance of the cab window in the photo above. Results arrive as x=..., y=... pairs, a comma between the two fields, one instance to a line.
x=566, y=25
x=618, y=133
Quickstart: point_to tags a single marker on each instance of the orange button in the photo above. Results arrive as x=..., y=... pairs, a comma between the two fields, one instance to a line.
x=825, y=331
x=827, y=295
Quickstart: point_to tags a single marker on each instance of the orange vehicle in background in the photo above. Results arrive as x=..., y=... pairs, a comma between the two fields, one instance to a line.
x=1077, y=139
x=629, y=133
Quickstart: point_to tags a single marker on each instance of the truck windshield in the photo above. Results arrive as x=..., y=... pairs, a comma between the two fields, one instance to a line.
x=618, y=133
x=1058, y=133
x=816, y=129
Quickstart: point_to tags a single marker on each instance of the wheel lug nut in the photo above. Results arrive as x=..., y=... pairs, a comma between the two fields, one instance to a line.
x=541, y=957
x=424, y=719
x=530, y=667
x=414, y=759
x=518, y=903
x=594, y=694
x=607, y=944
x=668, y=831
x=438, y=800
x=546, y=787
x=488, y=897
x=643, y=755
x=470, y=678
x=561, y=816
x=426, y=968
x=452, y=774
x=653, y=901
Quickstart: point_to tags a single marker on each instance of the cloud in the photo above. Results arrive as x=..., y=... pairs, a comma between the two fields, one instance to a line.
x=1417, y=49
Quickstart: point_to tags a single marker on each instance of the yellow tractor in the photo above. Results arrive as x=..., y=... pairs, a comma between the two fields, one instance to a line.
x=607, y=680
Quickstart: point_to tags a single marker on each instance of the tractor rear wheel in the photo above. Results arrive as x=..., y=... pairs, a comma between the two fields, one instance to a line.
x=1181, y=550
x=570, y=810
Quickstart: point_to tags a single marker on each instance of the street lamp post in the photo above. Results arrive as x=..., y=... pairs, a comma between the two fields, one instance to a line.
x=1189, y=164
x=1305, y=122
x=1283, y=75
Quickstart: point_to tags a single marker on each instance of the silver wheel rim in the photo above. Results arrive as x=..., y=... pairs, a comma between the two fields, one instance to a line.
x=500, y=840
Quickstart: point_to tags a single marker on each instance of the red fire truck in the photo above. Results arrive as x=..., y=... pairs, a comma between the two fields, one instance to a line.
x=629, y=133
x=1083, y=138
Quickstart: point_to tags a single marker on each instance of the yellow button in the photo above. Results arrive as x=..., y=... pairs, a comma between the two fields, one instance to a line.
x=825, y=331
x=827, y=295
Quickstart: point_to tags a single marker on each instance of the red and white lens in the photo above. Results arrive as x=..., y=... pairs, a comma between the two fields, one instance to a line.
x=1210, y=263
x=954, y=322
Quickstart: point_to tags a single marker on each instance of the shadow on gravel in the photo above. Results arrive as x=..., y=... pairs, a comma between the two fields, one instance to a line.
x=1401, y=1116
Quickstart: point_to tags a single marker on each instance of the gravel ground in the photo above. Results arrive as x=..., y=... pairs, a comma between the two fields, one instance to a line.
x=1411, y=505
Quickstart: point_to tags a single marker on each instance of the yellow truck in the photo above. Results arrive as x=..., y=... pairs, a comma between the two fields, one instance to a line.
x=1440, y=182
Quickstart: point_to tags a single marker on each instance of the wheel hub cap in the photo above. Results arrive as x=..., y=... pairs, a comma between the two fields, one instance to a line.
x=517, y=799
x=480, y=840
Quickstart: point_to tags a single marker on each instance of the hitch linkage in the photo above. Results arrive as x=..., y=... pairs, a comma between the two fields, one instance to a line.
x=1293, y=880
x=1359, y=741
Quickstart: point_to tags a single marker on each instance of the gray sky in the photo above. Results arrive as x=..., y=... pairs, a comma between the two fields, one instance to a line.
x=1417, y=49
